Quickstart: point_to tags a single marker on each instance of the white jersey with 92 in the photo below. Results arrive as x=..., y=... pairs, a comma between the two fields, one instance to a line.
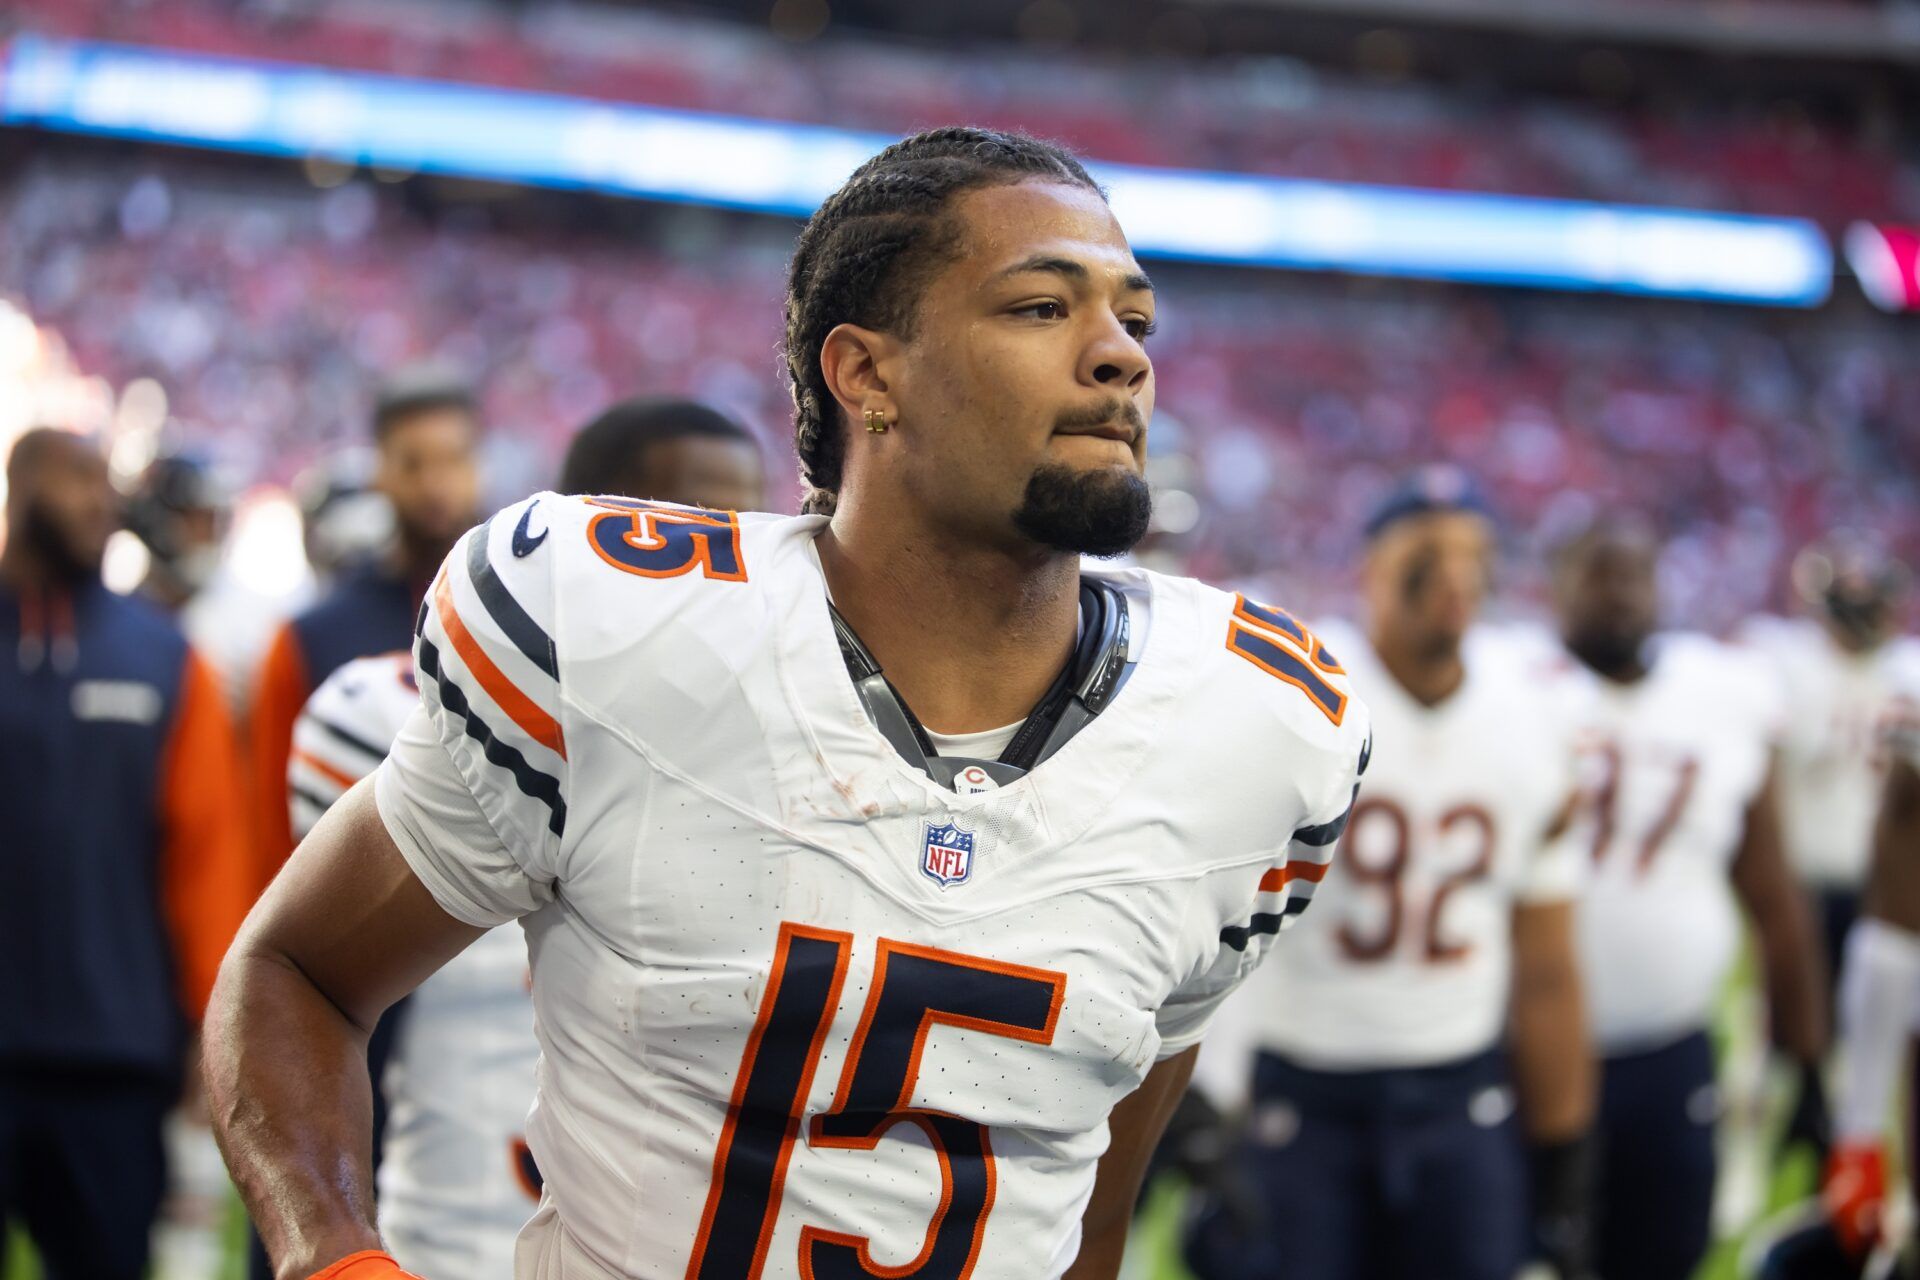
x=1833, y=752
x=1406, y=958
x=1670, y=766
x=803, y=1012
x=456, y=1181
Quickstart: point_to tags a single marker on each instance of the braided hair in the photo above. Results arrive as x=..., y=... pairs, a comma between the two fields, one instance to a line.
x=863, y=256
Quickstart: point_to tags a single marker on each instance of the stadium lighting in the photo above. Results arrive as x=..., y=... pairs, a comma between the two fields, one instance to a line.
x=406, y=124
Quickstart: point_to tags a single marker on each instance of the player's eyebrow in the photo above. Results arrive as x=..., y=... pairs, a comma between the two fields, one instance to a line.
x=1136, y=280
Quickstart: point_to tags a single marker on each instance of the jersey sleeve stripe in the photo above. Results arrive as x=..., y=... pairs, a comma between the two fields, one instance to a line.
x=346, y=738
x=1237, y=936
x=521, y=709
x=332, y=773
x=543, y=787
x=506, y=611
x=307, y=796
x=1319, y=837
x=1278, y=878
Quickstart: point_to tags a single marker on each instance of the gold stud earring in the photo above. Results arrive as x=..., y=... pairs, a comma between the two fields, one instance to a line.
x=877, y=422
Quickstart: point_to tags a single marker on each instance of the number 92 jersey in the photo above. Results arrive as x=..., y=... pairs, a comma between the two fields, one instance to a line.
x=1406, y=958
x=802, y=1012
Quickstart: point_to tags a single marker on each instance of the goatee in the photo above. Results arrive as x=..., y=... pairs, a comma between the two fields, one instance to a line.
x=1101, y=512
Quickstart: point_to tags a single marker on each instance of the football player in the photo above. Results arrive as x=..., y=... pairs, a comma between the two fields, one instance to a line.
x=1879, y=999
x=1840, y=668
x=456, y=1179
x=880, y=870
x=1437, y=972
x=1678, y=743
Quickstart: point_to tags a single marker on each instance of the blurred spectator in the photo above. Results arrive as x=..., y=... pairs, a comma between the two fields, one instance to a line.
x=425, y=432
x=125, y=863
x=1750, y=431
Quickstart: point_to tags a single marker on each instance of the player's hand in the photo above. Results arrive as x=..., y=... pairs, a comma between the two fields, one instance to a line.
x=1810, y=1123
x=1854, y=1192
x=1563, y=1180
x=370, y=1264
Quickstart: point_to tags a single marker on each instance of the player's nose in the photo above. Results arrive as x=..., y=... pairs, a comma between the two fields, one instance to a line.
x=1113, y=359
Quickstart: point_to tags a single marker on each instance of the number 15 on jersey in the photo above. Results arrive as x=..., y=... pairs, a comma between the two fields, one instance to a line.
x=914, y=989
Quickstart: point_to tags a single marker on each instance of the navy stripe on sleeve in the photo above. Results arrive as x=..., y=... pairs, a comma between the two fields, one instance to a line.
x=1327, y=832
x=505, y=611
x=543, y=787
x=348, y=738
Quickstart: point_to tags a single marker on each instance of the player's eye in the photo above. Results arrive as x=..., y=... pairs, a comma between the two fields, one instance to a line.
x=1139, y=328
x=1046, y=310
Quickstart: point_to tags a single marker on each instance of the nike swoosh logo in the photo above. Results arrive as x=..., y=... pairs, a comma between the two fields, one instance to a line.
x=523, y=545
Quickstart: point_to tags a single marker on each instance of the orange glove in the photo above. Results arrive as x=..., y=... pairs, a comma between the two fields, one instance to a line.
x=1854, y=1191
x=369, y=1264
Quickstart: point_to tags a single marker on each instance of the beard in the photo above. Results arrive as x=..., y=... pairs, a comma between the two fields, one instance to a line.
x=1101, y=512
x=52, y=546
x=1614, y=654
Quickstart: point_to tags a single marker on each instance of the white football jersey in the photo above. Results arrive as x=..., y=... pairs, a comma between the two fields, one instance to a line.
x=803, y=1012
x=1407, y=956
x=1670, y=765
x=456, y=1179
x=1833, y=755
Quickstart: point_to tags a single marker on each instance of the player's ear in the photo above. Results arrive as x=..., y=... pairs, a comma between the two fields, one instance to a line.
x=853, y=360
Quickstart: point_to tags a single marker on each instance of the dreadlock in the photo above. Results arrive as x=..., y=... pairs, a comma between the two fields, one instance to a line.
x=863, y=256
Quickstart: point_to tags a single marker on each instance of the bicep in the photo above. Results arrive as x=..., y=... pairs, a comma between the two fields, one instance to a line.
x=350, y=914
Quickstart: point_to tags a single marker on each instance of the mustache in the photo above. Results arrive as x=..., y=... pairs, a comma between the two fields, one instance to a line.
x=1113, y=411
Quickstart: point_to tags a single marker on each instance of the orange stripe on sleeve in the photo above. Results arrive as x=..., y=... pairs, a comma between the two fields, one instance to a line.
x=332, y=773
x=207, y=878
x=1278, y=878
x=537, y=724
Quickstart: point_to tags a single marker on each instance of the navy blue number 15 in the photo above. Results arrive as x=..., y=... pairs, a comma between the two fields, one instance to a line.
x=914, y=989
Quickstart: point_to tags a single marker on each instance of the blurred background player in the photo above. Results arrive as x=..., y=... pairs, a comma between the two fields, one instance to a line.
x=425, y=433
x=1678, y=742
x=456, y=1180
x=673, y=450
x=1437, y=971
x=1879, y=1003
x=1840, y=668
x=425, y=430
x=125, y=866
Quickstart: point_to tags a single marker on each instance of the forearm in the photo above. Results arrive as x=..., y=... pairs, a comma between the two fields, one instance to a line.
x=1553, y=1066
x=292, y=1107
x=1796, y=992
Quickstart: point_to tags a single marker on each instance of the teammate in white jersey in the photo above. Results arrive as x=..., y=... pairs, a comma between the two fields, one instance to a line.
x=804, y=1008
x=1679, y=738
x=1843, y=669
x=1879, y=1005
x=1381, y=1133
x=456, y=1179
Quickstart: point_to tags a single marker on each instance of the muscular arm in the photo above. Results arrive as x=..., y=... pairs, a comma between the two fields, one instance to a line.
x=1796, y=988
x=1552, y=1061
x=1135, y=1128
x=1893, y=880
x=344, y=931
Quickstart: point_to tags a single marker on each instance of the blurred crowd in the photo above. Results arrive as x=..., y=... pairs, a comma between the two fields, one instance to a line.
x=267, y=308
x=1249, y=114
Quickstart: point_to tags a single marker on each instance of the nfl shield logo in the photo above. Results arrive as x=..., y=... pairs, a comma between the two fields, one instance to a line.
x=947, y=855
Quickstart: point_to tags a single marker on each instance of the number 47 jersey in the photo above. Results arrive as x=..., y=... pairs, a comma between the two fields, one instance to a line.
x=802, y=1012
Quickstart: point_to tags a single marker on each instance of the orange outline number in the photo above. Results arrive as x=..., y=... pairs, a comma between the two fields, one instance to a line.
x=914, y=989
x=661, y=540
x=1275, y=641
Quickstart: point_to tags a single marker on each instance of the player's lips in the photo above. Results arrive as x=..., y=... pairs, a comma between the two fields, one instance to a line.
x=1121, y=431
